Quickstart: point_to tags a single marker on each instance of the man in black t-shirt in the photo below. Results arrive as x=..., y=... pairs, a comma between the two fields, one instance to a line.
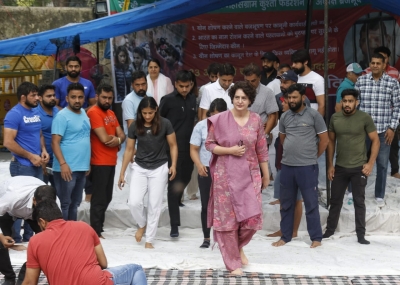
x=180, y=108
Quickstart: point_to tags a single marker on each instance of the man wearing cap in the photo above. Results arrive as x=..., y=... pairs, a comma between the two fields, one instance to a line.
x=354, y=71
x=270, y=64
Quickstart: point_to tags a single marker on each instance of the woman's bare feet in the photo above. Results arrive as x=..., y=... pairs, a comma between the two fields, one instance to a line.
x=243, y=257
x=276, y=202
x=315, y=244
x=148, y=245
x=237, y=272
x=275, y=234
x=278, y=243
x=139, y=234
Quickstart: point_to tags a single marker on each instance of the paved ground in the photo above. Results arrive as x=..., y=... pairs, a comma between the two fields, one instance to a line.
x=216, y=277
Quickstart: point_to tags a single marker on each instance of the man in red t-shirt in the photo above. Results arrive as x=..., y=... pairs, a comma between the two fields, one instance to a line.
x=106, y=137
x=70, y=253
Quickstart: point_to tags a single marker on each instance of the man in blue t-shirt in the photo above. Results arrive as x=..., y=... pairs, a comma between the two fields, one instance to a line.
x=71, y=146
x=23, y=135
x=47, y=110
x=23, y=138
x=73, y=67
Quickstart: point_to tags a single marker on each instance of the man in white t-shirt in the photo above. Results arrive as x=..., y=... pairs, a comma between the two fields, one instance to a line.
x=212, y=72
x=314, y=83
x=218, y=89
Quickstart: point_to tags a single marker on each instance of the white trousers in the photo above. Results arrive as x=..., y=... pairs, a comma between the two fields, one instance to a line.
x=151, y=181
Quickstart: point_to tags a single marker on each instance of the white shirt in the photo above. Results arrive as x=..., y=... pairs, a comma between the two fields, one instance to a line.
x=315, y=86
x=16, y=196
x=212, y=92
x=275, y=85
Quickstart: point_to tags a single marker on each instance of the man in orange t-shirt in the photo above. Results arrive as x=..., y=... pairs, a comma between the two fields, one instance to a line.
x=106, y=137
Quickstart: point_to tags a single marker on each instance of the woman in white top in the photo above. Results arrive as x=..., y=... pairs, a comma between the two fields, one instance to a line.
x=158, y=84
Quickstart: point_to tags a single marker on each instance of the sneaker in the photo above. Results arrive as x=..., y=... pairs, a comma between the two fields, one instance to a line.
x=380, y=201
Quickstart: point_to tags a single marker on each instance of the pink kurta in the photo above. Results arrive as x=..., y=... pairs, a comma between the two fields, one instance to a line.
x=221, y=211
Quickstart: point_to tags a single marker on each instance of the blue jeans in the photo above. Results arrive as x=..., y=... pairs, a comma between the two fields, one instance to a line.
x=128, y=274
x=17, y=169
x=28, y=232
x=381, y=165
x=70, y=193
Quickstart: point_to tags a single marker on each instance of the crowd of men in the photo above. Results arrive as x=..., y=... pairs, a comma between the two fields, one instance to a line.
x=66, y=134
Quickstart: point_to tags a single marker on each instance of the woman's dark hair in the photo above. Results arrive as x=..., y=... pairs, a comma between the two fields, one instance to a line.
x=118, y=51
x=247, y=89
x=194, y=90
x=219, y=105
x=47, y=210
x=155, y=60
x=148, y=102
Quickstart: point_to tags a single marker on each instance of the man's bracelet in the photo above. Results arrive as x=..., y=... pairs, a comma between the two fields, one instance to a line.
x=63, y=163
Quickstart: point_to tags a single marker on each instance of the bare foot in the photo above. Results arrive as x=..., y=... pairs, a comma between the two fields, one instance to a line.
x=193, y=198
x=315, y=244
x=275, y=234
x=237, y=272
x=294, y=235
x=102, y=237
x=148, y=245
x=276, y=202
x=18, y=247
x=139, y=234
x=243, y=257
x=278, y=243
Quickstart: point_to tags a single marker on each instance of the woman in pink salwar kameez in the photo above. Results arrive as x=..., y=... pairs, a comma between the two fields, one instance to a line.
x=236, y=139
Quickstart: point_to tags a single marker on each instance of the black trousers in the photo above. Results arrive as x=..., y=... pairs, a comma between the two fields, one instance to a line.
x=102, y=179
x=394, y=154
x=184, y=168
x=339, y=184
x=5, y=263
x=204, y=186
x=6, y=224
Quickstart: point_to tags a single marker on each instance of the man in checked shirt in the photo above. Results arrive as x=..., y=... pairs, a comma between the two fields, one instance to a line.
x=380, y=98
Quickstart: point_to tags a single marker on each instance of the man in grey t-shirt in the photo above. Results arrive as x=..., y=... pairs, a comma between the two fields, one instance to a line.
x=265, y=104
x=304, y=137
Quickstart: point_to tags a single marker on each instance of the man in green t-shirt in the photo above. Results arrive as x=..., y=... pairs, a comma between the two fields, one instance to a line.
x=348, y=130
